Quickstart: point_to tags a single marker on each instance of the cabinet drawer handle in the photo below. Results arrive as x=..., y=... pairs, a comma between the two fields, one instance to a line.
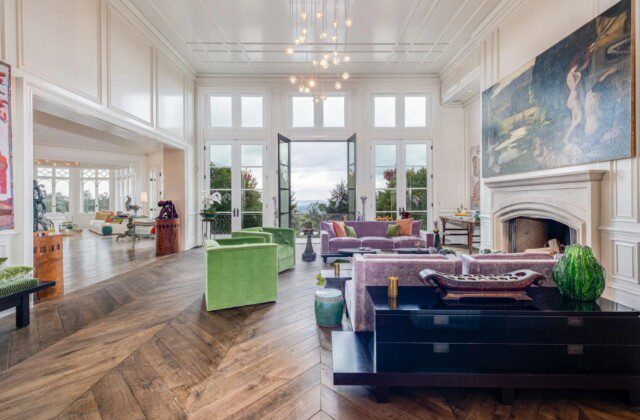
x=574, y=321
x=441, y=347
x=441, y=320
x=575, y=349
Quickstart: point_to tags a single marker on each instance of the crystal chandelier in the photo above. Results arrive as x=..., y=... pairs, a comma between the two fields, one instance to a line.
x=323, y=46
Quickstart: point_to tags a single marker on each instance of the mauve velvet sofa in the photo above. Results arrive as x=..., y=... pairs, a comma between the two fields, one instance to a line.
x=372, y=234
x=504, y=263
x=374, y=270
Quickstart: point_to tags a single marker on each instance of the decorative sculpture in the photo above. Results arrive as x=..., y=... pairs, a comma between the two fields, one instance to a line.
x=168, y=210
x=128, y=206
x=40, y=208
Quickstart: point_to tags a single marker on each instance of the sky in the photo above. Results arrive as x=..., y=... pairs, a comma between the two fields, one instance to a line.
x=316, y=167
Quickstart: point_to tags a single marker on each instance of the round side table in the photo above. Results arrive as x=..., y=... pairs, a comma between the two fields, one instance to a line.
x=309, y=254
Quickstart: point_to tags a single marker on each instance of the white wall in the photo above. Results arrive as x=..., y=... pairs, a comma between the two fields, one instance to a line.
x=444, y=130
x=96, y=58
x=524, y=31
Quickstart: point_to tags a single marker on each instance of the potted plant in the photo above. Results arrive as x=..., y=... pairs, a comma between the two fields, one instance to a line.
x=209, y=199
x=579, y=275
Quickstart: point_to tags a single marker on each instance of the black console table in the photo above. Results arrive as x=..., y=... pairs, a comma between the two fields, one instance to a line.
x=550, y=342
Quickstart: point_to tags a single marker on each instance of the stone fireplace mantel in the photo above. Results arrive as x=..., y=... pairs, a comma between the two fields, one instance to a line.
x=572, y=198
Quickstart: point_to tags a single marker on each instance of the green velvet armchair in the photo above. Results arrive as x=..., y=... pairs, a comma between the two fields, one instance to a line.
x=240, y=271
x=284, y=238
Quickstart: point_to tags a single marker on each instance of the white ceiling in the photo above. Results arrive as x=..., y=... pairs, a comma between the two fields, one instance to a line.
x=250, y=36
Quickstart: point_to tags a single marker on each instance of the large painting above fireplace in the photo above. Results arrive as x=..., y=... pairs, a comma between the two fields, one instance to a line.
x=570, y=105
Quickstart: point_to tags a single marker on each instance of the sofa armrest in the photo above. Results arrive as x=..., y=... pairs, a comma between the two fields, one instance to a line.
x=324, y=240
x=268, y=237
x=282, y=236
x=427, y=237
x=241, y=240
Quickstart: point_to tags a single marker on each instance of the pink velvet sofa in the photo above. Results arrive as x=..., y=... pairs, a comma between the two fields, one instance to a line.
x=374, y=270
x=504, y=263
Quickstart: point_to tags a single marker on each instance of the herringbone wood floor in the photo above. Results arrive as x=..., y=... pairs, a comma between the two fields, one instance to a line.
x=141, y=345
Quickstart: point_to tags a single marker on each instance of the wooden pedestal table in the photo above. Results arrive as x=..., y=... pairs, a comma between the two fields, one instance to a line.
x=465, y=227
x=47, y=265
x=167, y=236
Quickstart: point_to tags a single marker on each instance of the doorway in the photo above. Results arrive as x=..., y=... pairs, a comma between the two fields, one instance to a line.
x=236, y=172
x=317, y=181
x=402, y=179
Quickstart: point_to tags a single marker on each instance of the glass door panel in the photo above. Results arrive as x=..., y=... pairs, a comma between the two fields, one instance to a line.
x=284, y=181
x=416, y=170
x=351, y=176
x=220, y=169
x=251, y=185
x=385, y=161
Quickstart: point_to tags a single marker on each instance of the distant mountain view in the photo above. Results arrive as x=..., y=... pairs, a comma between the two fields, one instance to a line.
x=303, y=205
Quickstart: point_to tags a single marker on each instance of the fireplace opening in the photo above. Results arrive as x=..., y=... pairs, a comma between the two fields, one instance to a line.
x=534, y=234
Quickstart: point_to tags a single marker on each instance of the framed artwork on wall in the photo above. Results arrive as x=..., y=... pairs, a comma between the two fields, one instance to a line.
x=474, y=159
x=571, y=105
x=6, y=157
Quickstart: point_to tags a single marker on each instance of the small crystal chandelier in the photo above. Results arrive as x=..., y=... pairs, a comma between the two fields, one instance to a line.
x=323, y=45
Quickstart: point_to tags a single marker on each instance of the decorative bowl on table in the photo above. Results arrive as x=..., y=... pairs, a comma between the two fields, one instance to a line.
x=512, y=285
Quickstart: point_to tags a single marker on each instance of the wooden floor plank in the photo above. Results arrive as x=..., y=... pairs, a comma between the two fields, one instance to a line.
x=84, y=408
x=114, y=398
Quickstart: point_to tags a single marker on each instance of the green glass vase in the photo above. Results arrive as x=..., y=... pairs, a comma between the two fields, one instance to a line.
x=579, y=275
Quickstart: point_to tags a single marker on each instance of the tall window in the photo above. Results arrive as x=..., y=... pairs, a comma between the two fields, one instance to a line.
x=124, y=186
x=95, y=190
x=400, y=111
x=307, y=113
x=56, y=184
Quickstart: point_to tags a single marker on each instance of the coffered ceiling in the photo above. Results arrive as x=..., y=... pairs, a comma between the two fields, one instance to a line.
x=250, y=36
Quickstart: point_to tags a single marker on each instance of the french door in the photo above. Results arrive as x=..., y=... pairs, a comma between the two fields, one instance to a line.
x=236, y=171
x=284, y=181
x=402, y=178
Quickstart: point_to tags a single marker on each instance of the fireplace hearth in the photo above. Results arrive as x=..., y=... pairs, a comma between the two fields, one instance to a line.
x=531, y=233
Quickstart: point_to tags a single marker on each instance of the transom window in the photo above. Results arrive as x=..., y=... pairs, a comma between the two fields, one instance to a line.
x=236, y=111
x=55, y=182
x=400, y=111
x=307, y=113
x=95, y=189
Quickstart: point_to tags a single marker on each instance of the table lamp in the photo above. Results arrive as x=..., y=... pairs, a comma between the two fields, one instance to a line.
x=143, y=199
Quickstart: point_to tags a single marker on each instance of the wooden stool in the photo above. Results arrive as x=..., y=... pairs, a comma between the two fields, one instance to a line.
x=167, y=236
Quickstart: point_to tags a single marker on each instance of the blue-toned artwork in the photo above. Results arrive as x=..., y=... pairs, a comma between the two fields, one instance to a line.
x=570, y=105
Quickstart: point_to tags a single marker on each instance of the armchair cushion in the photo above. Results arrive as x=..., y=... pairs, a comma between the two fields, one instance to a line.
x=284, y=238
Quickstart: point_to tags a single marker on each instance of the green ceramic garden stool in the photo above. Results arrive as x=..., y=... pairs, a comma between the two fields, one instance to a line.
x=107, y=230
x=329, y=307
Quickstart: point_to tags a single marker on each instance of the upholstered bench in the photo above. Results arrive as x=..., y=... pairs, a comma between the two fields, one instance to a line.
x=15, y=294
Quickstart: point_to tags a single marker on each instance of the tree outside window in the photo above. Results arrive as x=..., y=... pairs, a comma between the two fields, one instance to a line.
x=56, y=184
x=95, y=190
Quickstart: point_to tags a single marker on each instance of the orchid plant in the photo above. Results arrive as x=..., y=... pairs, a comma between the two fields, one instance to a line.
x=209, y=199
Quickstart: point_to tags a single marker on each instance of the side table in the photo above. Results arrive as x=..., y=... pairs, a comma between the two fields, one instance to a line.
x=309, y=254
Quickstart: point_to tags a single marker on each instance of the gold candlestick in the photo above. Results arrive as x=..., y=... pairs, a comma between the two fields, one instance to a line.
x=392, y=291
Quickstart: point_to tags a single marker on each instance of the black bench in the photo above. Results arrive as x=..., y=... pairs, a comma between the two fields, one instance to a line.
x=20, y=301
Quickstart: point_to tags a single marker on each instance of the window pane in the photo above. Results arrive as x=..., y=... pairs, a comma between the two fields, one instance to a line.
x=220, y=111
x=386, y=200
x=62, y=173
x=333, y=111
x=252, y=178
x=88, y=173
x=251, y=155
x=103, y=173
x=45, y=184
x=386, y=155
x=44, y=172
x=416, y=154
x=62, y=196
x=251, y=200
x=384, y=111
x=302, y=107
x=385, y=177
x=103, y=195
x=89, y=196
x=251, y=111
x=415, y=111
x=417, y=200
x=220, y=166
x=251, y=220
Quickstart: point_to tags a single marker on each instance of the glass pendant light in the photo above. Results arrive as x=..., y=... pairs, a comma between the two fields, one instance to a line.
x=290, y=50
x=293, y=79
x=312, y=83
x=337, y=85
x=345, y=75
x=348, y=22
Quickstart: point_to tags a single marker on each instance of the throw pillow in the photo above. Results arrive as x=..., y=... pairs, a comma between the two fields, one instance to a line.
x=351, y=232
x=392, y=230
x=339, y=229
x=404, y=226
x=14, y=272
